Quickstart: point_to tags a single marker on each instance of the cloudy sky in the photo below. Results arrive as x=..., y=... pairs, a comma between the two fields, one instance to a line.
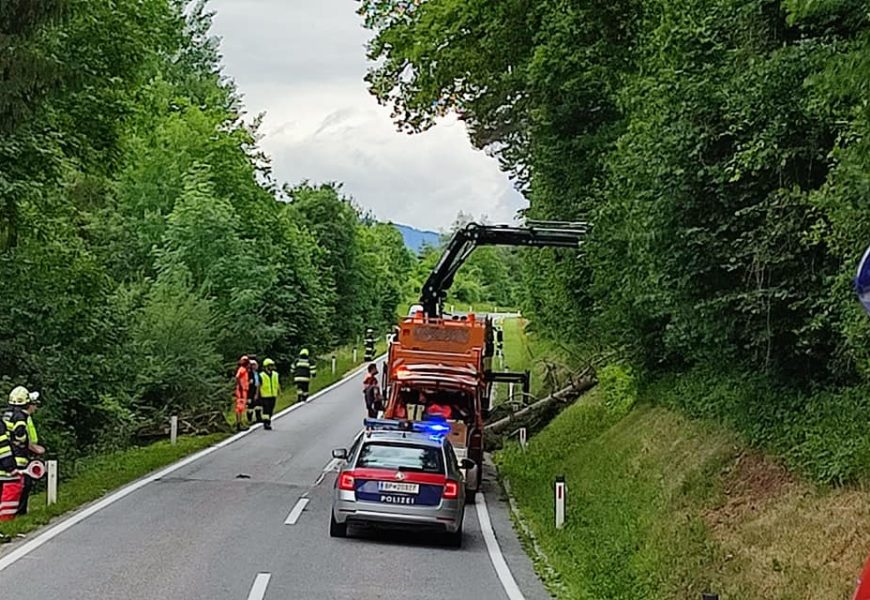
x=302, y=62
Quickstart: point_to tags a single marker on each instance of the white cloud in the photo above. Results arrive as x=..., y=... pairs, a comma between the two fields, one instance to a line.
x=302, y=62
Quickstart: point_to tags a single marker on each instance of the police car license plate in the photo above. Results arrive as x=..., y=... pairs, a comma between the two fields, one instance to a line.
x=395, y=486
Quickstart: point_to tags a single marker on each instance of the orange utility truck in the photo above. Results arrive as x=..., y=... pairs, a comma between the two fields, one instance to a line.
x=439, y=366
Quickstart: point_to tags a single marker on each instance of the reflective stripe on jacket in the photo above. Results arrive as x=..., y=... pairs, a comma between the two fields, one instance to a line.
x=302, y=370
x=7, y=459
x=15, y=420
x=269, y=385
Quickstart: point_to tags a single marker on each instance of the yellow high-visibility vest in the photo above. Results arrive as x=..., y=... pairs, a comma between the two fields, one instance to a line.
x=269, y=384
x=31, y=431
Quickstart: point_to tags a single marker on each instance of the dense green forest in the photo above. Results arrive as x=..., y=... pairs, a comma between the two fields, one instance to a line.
x=144, y=244
x=721, y=151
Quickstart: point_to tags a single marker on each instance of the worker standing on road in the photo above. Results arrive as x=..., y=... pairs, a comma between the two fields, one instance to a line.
x=269, y=390
x=241, y=392
x=255, y=410
x=302, y=374
x=15, y=425
x=369, y=342
x=33, y=442
x=372, y=392
x=8, y=468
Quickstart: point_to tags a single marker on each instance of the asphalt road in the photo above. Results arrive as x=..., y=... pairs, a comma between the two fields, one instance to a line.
x=204, y=532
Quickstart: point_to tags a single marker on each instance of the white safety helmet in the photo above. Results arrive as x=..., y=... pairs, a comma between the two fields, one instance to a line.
x=19, y=396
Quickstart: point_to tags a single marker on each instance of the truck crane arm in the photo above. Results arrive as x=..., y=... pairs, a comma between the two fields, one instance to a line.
x=536, y=234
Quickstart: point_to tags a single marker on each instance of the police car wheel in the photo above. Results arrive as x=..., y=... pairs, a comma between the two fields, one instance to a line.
x=337, y=529
x=454, y=540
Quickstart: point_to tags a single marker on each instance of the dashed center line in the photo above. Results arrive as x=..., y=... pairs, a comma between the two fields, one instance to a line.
x=296, y=512
x=258, y=590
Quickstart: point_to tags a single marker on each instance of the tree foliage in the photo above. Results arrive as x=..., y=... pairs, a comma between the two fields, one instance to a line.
x=719, y=148
x=144, y=244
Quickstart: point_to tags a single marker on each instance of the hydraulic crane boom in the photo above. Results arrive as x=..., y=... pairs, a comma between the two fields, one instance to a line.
x=537, y=234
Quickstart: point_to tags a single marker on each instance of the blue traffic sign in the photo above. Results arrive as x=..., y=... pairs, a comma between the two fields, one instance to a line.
x=862, y=281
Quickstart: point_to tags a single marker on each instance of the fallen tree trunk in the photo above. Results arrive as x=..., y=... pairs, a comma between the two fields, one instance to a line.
x=564, y=396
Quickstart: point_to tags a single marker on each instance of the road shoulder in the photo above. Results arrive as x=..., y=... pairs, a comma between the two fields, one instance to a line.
x=508, y=540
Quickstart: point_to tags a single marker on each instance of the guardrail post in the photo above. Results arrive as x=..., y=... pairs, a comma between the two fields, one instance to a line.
x=51, y=472
x=333, y=364
x=559, y=497
x=173, y=430
x=523, y=439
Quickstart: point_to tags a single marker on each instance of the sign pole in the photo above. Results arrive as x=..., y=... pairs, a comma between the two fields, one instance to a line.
x=51, y=493
x=559, y=497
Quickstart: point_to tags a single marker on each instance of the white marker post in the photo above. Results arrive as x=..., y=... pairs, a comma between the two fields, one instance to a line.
x=173, y=430
x=559, y=492
x=354, y=356
x=523, y=439
x=51, y=494
x=333, y=364
x=511, y=393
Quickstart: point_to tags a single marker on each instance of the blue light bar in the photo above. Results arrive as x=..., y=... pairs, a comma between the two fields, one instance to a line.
x=433, y=427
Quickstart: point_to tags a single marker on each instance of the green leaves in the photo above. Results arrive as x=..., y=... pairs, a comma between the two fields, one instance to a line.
x=719, y=148
x=143, y=245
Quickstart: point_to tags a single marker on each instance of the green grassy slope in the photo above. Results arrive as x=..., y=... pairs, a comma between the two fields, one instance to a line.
x=662, y=507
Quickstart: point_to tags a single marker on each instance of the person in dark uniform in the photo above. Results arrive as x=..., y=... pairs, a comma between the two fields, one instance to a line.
x=372, y=392
x=302, y=374
x=254, y=408
x=369, y=345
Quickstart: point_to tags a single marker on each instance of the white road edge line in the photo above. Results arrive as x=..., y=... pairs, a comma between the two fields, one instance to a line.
x=80, y=516
x=498, y=562
x=258, y=590
x=297, y=511
x=330, y=466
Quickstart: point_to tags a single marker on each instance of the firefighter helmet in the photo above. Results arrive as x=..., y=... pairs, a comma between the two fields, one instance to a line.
x=19, y=396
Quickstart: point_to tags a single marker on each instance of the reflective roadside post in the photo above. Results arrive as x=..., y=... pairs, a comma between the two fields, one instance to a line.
x=354, y=355
x=559, y=494
x=523, y=438
x=51, y=492
x=333, y=364
x=173, y=430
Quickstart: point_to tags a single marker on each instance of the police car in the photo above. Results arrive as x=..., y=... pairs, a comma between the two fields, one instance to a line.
x=402, y=475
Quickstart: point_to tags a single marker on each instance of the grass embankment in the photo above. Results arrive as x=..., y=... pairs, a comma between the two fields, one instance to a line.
x=524, y=351
x=664, y=507
x=96, y=476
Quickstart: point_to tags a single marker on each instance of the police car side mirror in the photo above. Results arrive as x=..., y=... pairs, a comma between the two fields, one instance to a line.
x=340, y=453
x=467, y=463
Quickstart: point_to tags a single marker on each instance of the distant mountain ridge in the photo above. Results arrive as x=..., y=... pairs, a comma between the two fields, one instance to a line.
x=416, y=239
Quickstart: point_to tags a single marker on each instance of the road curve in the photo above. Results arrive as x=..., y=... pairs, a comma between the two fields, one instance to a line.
x=202, y=531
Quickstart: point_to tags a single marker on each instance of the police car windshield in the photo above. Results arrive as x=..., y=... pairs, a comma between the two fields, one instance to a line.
x=401, y=457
